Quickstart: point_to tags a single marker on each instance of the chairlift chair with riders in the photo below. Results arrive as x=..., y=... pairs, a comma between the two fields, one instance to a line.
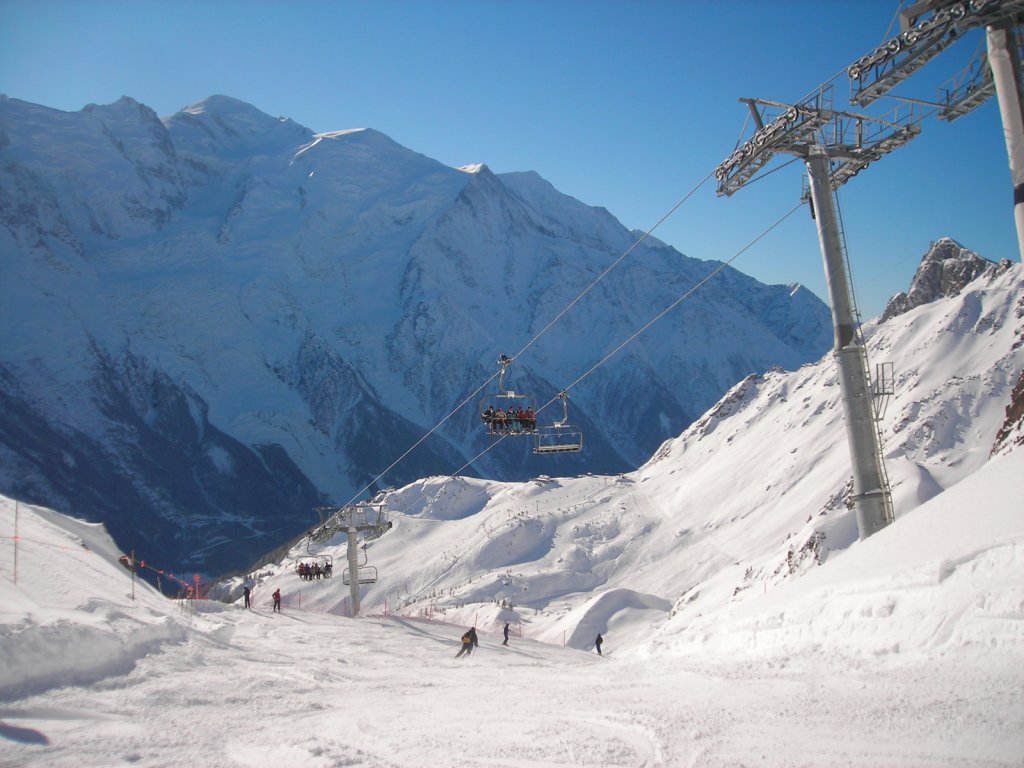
x=505, y=412
x=561, y=436
x=315, y=566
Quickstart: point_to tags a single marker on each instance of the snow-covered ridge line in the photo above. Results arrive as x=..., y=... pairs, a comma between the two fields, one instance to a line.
x=267, y=308
x=722, y=638
x=750, y=500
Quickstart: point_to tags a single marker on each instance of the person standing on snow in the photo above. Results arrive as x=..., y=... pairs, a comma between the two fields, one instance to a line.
x=597, y=644
x=246, y=593
x=506, y=634
x=277, y=601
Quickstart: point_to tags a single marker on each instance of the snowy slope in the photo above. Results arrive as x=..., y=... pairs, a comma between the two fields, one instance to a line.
x=727, y=640
x=220, y=318
x=907, y=650
x=67, y=614
x=746, y=499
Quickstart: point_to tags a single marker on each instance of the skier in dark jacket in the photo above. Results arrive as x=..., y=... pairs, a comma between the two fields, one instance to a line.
x=506, y=634
x=469, y=642
x=597, y=644
x=247, y=592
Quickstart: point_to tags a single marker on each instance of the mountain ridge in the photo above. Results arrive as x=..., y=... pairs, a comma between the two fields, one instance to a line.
x=336, y=295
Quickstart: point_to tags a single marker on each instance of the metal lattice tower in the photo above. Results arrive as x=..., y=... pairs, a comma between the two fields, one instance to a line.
x=353, y=519
x=929, y=27
x=835, y=146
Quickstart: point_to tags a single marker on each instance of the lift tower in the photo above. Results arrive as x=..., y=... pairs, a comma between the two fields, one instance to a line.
x=929, y=27
x=355, y=519
x=834, y=146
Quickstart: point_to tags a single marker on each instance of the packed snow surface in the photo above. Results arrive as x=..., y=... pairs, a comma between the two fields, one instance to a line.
x=744, y=622
x=908, y=650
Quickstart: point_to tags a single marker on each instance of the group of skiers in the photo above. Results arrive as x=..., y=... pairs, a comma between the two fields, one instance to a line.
x=470, y=641
x=247, y=595
x=513, y=421
x=311, y=571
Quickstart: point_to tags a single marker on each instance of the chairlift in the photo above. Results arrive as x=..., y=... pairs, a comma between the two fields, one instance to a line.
x=504, y=412
x=365, y=574
x=561, y=436
x=309, y=566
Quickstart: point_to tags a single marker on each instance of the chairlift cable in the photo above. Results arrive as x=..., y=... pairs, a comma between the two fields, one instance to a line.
x=632, y=338
x=415, y=445
x=614, y=264
x=773, y=170
x=561, y=314
x=682, y=298
x=534, y=340
x=888, y=31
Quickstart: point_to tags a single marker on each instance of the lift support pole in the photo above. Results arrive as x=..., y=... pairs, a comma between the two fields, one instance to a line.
x=1002, y=59
x=869, y=486
x=353, y=565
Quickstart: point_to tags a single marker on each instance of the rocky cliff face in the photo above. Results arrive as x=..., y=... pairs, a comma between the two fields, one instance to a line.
x=223, y=318
x=943, y=272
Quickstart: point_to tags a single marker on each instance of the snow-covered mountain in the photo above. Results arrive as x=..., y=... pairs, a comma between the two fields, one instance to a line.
x=743, y=622
x=214, y=321
x=753, y=495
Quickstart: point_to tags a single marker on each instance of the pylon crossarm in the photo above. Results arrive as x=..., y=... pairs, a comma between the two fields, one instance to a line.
x=853, y=140
x=793, y=124
x=924, y=37
x=975, y=85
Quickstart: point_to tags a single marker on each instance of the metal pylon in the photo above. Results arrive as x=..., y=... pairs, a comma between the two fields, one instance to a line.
x=835, y=146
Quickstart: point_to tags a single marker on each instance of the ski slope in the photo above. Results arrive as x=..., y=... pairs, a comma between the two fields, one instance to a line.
x=89, y=677
x=744, y=623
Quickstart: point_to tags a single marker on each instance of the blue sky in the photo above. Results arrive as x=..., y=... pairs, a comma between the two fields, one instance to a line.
x=625, y=105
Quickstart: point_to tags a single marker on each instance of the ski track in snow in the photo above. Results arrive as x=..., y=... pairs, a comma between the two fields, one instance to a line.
x=311, y=690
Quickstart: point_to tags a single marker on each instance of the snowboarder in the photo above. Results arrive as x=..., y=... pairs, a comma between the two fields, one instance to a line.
x=247, y=592
x=506, y=634
x=277, y=601
x=597, y=644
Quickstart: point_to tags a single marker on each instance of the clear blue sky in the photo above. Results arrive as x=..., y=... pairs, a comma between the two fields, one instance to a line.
x=625, y=105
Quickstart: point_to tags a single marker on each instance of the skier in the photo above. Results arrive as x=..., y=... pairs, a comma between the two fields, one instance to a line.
x=506, y=634
x=277, y=601
x=467, y=645
x=469, y=642
x=597, y=644
x=247, y=592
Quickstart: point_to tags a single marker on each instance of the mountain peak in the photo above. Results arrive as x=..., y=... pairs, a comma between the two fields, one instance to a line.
x=223, y=106
x=944, y=271
x=233, y=123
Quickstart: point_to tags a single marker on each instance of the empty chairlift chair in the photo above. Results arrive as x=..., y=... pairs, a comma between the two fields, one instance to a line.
x=559, y=437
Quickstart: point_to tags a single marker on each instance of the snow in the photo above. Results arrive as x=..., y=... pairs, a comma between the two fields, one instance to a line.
x=905, y=651
x=219, y=242
x=744, y=622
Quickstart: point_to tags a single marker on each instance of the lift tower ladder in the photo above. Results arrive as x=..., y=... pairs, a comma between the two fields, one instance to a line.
x=835, y=146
